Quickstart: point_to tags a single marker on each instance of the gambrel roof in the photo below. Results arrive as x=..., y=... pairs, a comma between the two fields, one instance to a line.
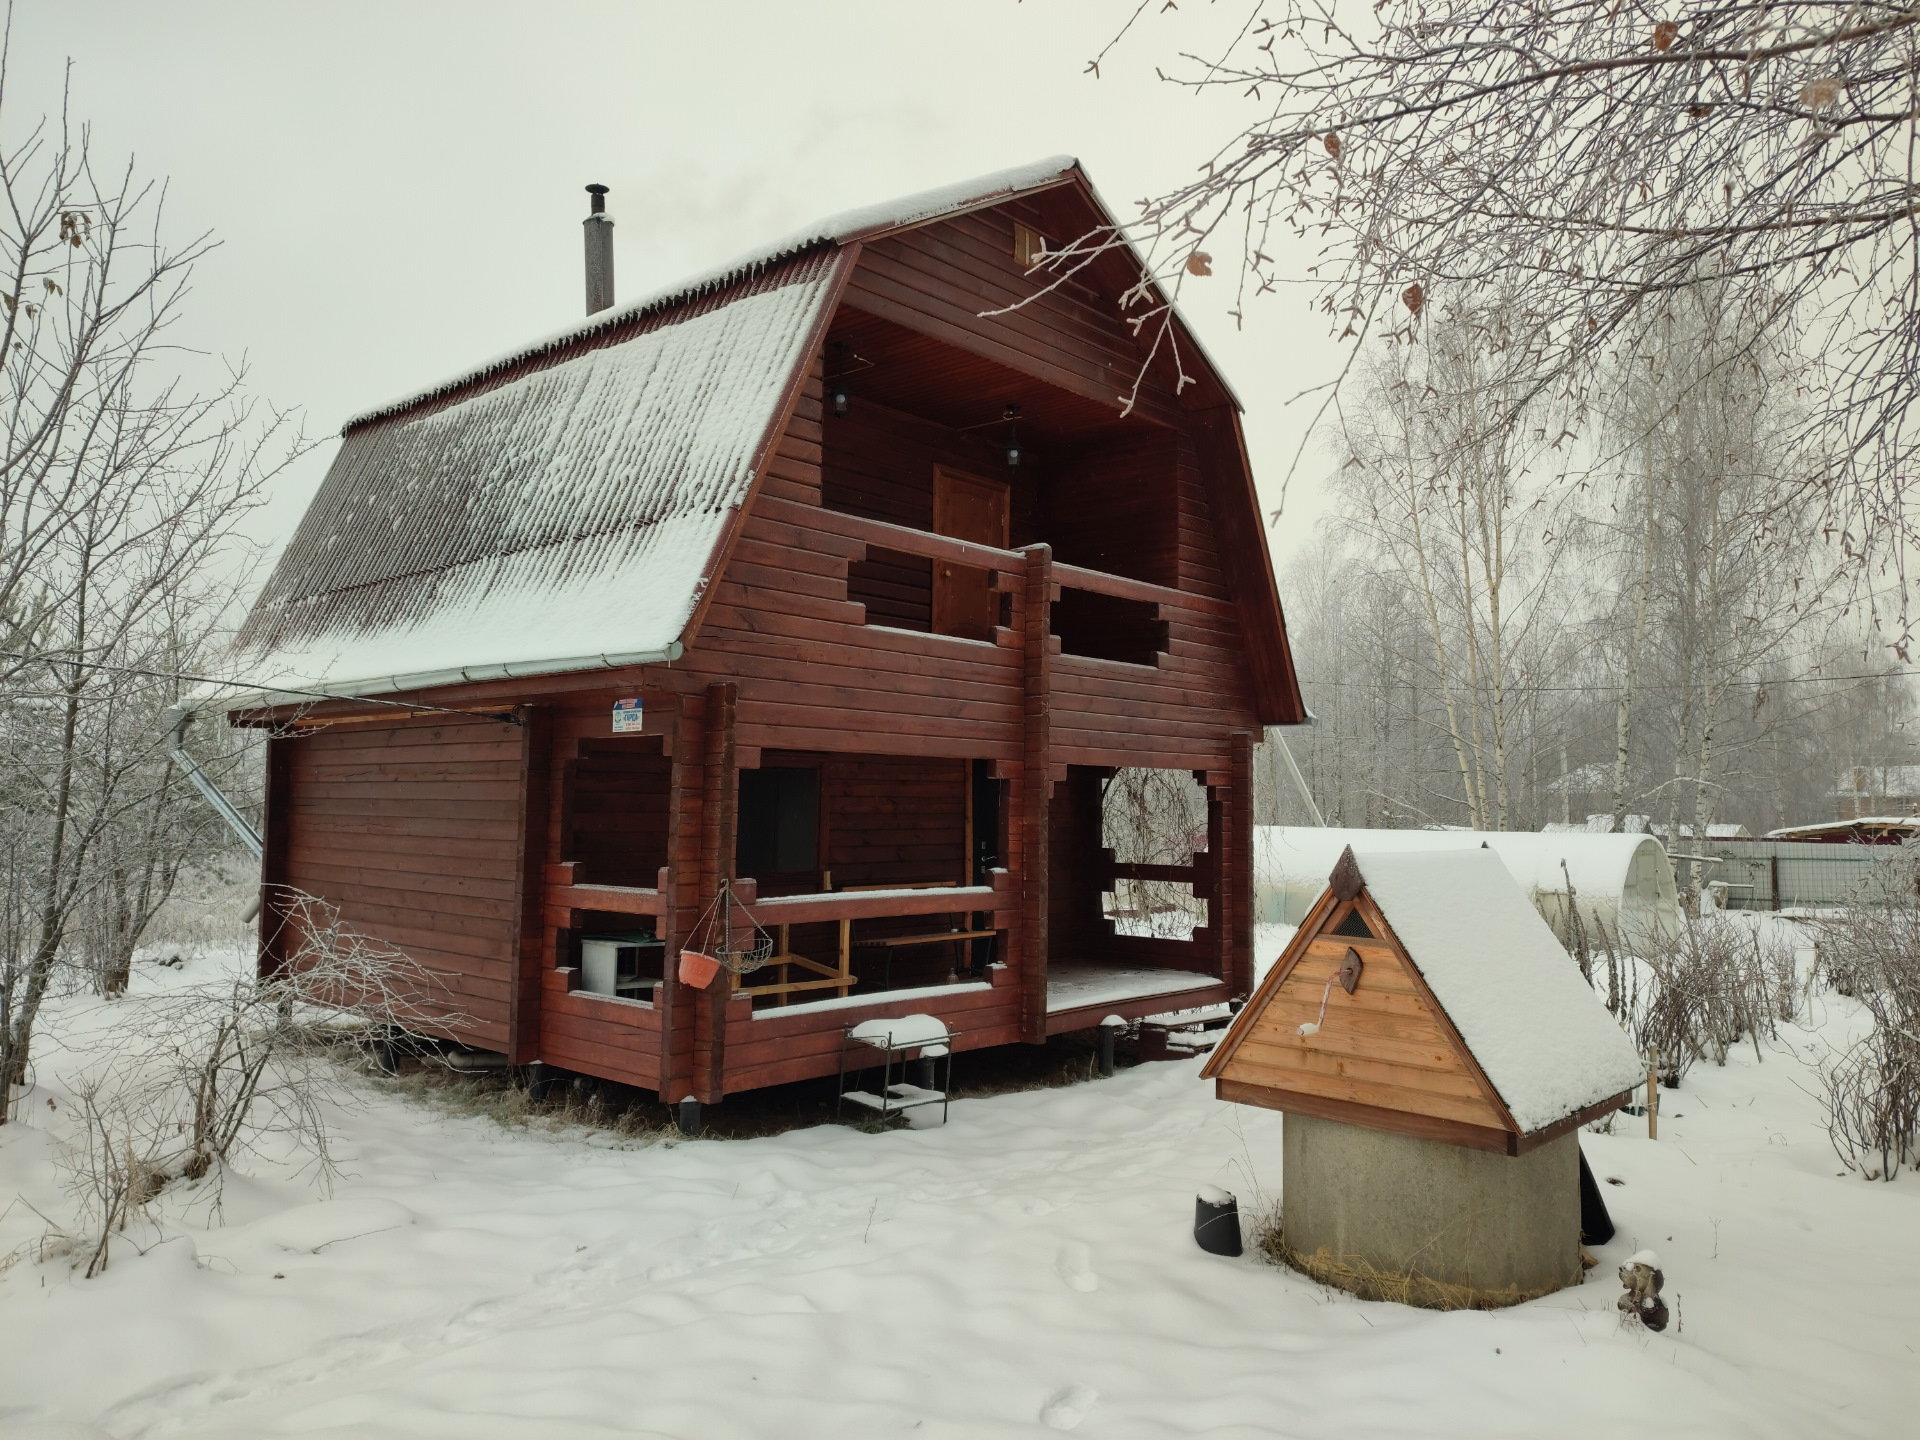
x=567, y=506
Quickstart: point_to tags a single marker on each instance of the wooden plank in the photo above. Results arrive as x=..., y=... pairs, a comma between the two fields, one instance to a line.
x=1036, y=787
x=614, y=899
x=801, y=909
x=902, y=538
x=1086, y=1017
x=1420, y=1127
x=1075, y=577
x=1379, y=1094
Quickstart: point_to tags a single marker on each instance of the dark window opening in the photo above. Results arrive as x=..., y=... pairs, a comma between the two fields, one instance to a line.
x=1353, y=925
x=779, y=824
x=1106, y=627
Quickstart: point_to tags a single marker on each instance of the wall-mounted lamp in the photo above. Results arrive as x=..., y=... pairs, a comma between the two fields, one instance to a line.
x=842, y=361
x=1012, y=417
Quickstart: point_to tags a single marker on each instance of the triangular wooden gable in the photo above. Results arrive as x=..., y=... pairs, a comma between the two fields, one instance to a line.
x=1385, y=1057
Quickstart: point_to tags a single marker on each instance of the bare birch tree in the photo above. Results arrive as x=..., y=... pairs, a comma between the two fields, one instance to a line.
x=1435, y=484
x=119, y=492
x=1583, y=162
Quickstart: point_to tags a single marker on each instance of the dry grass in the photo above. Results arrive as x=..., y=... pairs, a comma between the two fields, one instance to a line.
x=637, y=1117
x=1361, y=1277
x=499, y=1096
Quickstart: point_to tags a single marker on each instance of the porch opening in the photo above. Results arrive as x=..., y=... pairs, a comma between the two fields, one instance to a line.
x=821, y=824
x=1128, y=892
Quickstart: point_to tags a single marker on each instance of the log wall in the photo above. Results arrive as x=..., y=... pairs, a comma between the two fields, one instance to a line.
x=413, y=830
x=817, y=627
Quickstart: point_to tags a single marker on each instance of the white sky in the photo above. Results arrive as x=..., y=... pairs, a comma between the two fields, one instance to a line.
x=398, y=186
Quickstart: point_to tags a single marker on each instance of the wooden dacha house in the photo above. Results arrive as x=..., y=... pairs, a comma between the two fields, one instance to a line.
x=841, y=579
x=1435, y=1052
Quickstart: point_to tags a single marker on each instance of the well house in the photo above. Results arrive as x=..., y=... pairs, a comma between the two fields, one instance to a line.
x=1435, y=1052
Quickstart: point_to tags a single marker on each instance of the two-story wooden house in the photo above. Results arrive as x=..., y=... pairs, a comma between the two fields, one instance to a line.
x=838, y=573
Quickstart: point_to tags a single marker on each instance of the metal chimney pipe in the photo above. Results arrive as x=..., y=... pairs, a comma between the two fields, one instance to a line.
x=599, y=230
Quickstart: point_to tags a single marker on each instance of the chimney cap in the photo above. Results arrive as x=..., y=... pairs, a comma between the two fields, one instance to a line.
x=599, y=194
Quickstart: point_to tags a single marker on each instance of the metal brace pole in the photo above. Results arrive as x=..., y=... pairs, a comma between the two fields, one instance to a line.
x=1299, y=780
x=176, y=748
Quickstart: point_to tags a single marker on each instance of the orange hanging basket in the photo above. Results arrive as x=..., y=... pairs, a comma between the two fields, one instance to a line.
x=697, y=970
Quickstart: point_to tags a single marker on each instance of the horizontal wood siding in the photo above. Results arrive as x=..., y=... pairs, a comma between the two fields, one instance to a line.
x=1380, y=1046
x=769, y=1048
x=594, y=1035
x=615, y=810
x=412, y=831
x=1116, y=508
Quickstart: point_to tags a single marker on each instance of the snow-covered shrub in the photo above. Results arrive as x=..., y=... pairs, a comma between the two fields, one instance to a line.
x=194, y=1076
x=1700, y=991
x=1871, y=951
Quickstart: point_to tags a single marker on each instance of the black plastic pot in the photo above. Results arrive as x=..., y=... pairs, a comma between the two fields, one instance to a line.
x=1216, y=1225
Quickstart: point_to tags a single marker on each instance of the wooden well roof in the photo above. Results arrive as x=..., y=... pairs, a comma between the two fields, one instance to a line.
x=1468, y=1022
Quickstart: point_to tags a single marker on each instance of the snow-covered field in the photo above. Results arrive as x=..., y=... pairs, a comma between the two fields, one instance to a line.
x=1028, y=1266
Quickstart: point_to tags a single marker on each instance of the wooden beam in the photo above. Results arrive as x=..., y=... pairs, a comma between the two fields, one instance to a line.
x=680, y=885
x=849, y=905
x=1572, y=1122
x=1074, y=577
x=1237, y=866
x=1036, y=791
x=1371, y=1117
x=530, y=949
x=721, y=790
x=275, y=823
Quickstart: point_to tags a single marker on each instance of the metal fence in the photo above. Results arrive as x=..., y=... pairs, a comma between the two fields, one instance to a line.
x=1780, y=874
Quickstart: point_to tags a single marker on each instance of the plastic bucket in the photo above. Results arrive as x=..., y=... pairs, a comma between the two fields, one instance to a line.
x=1216, y=1222
x=697, y=970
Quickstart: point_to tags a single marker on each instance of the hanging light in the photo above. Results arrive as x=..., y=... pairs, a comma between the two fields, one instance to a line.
x=1012, y=417
x=839, y=398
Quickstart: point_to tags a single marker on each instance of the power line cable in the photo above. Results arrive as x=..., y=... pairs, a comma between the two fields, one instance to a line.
x=411, y=706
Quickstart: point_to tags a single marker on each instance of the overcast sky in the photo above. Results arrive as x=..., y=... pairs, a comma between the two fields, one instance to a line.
x=398, y=186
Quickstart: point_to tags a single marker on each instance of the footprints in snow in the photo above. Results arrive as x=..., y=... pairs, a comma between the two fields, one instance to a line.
x=1074, y=1265
x=1068, y=1407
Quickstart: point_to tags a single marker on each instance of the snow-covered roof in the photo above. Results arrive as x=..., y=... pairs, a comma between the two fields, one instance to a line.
x=1600, y=865
x=838, y=229
x=558, y=519
x=1536, y=1029
x=1874, y=826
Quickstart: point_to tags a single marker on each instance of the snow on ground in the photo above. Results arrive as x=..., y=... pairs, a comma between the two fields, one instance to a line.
x=1030, y=1265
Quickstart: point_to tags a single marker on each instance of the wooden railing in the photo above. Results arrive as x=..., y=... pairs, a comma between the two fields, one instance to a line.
x=1072, y=577
x=999, y=901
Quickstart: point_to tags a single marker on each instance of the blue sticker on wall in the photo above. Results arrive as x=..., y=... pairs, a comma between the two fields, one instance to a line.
x=626, y=717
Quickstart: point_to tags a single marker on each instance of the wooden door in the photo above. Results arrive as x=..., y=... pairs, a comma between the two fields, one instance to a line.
x=967, y=507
